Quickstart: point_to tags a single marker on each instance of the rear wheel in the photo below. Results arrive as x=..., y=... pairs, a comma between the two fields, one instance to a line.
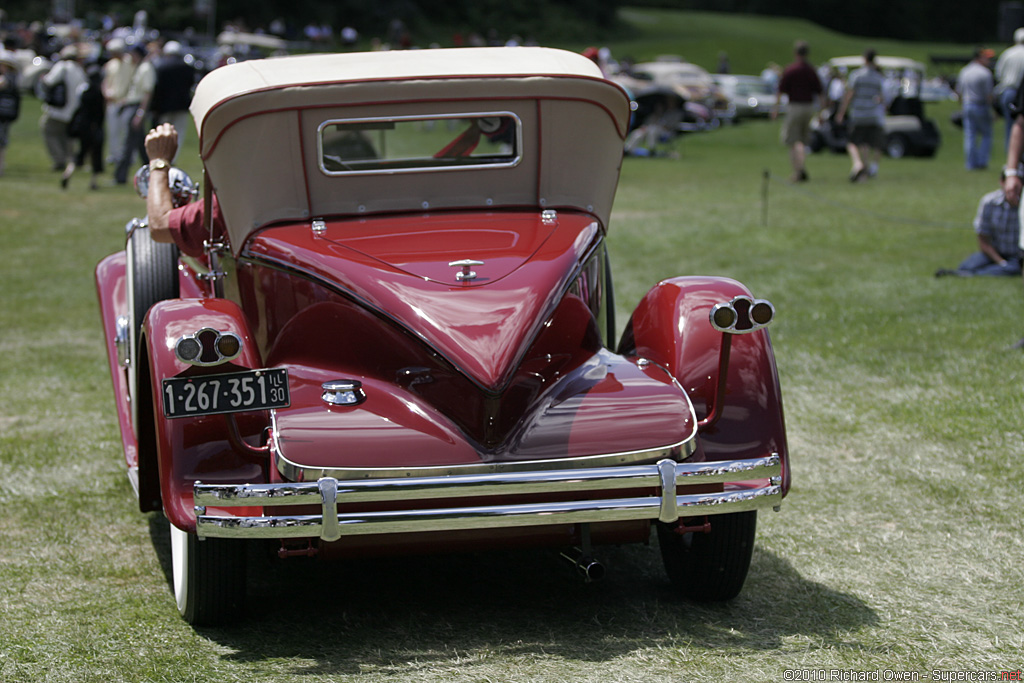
x=152, y=277
x=896, y=146
x=152, y=269
x=209, y=577
x=710, y=567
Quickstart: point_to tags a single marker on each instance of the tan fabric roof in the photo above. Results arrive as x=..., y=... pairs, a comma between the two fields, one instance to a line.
x=258, y=123
x=236, y=79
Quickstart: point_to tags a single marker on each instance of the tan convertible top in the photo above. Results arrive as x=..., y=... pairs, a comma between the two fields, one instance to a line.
x=259, y=123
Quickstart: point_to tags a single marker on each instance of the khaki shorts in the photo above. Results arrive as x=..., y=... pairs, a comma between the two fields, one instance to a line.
x=797, y=125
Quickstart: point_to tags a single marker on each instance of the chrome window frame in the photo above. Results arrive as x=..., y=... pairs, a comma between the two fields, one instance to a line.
x=420, y=117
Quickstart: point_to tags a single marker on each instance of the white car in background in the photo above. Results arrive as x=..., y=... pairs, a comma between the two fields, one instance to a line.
x=750, y=96
x=689, y=82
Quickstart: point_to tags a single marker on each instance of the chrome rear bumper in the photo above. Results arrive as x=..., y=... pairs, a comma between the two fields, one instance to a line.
x=330, y=525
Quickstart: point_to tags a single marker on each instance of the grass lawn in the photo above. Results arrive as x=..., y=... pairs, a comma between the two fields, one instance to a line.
x=899, y=548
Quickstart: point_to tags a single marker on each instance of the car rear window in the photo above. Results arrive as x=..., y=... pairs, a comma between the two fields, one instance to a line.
x=429, y=143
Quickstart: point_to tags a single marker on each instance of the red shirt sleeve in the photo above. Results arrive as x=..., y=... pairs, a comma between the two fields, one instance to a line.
x=186, y=226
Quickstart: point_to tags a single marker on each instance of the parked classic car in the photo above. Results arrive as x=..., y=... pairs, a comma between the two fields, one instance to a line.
x=751, y=96
x=907, y=130
x=405, y=340
x=705, y=106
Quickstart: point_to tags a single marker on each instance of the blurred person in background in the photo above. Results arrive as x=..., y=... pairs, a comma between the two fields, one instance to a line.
x=87, y=127
x=117, y=76
x=9, y=88
x=136, y=105
x=864, y=105
x=55, y=119
x=172, y=91
x=835, y=89
x=807, y=100
x=975, y=88
x=1014, y=170
x=1009, y=72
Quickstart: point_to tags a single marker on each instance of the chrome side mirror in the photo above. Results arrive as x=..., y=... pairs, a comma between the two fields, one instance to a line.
x=183, y=188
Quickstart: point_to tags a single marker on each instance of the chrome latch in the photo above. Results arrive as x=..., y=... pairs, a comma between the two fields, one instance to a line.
x=319, y=226
x=467, y=272
x=215, y=247
x=211, y=276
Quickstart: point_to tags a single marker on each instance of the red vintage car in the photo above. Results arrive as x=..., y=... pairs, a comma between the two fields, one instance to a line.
x=404, y=340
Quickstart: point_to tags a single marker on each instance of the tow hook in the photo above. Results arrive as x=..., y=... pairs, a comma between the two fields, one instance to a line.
x=704, y=528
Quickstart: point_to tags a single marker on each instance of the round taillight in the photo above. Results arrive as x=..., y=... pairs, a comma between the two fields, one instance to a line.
x=228, y=345
x=188, y=349
x=762, y=313
x=723, y=316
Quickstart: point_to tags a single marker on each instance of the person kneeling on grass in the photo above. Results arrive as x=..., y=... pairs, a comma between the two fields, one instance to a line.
x=998, y=228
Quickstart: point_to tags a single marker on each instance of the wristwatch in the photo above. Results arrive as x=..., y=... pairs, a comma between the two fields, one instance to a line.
x=159, y=165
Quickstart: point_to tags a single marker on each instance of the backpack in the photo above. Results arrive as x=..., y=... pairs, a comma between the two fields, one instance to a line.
x=55, y=95
x=10, y=105
x=10, y=100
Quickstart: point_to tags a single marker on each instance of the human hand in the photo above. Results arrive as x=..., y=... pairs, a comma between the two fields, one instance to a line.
x=1011, y=189
x=162, y=142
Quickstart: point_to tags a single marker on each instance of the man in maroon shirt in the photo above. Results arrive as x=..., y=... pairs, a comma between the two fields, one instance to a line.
x=183, y=226
x=799, y=83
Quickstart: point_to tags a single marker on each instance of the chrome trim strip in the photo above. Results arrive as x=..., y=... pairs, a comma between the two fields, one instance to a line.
x=293, y=471
x=121, y=340
x=133, y=477
x=329, y=525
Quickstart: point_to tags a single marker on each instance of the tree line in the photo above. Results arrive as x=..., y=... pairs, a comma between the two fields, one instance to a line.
x=962, y=21
x=550, y=19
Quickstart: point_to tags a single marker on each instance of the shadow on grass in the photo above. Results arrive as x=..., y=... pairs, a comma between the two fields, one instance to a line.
x=399, y=614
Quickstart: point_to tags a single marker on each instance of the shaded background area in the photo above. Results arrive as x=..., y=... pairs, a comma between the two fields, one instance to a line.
x=921, y=20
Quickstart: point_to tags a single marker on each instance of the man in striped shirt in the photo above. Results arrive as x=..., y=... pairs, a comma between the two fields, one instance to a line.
x=864, y=106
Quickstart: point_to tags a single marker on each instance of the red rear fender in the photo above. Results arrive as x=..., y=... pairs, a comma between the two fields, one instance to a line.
x=671, y=326
x=197, y=448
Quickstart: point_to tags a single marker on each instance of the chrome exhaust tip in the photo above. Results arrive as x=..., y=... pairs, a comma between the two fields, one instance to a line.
x=590, y=568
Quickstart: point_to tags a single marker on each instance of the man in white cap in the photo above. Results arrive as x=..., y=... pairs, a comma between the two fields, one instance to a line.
x=117, y=77
x=1009, y=72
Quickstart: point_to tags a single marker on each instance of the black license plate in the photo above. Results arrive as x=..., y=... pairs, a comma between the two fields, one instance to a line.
x=229, y=393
